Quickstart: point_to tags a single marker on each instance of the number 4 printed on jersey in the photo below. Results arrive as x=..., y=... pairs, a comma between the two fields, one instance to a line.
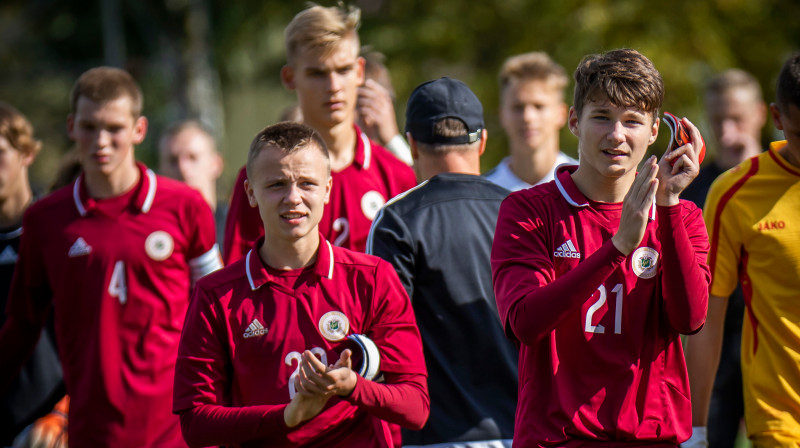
x=589, y=328
x=118, y=286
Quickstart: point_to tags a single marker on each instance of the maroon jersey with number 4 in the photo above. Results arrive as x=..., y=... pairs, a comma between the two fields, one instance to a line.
x=600, y=352
x=118, y=274
x=358, y=192
x=248, y=326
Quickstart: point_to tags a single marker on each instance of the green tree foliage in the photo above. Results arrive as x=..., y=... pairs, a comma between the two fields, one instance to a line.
x=47, y=43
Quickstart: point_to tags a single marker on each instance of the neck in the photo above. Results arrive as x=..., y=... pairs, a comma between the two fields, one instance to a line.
x=341, y=143
x=790, y=156
x=102, y=186
x=602, y=188
x=13, y=206
x=465, y=162
x=532, y=164
x=288, y=255
x=209, y=193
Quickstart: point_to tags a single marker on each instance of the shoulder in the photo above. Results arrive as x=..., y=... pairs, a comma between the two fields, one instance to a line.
x=224, y=279
x=448, y=190
x=385, y=160
x=347, y=258
x=543, y=194
x=55, y=203
x=174, y=188
x=731, y=182
x=175, y=192
x=498, y=171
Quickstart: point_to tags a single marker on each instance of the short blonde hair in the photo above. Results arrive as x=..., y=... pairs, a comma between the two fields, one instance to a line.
x=733, y=79
x=537, y=66
x=103, y=84
x=321, y=27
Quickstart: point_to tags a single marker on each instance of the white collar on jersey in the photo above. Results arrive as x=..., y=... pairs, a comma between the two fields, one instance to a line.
x=367, y=150
x=578, y=199
x=146, y=204
x=257, y=279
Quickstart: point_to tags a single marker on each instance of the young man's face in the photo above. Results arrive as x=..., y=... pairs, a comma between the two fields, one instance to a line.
x=326, y=83
x=612, y=140
x=290, y=190
x=736, y=119
x=190, y=156
x=532, y=112
x=105, y=134
x=12, y=164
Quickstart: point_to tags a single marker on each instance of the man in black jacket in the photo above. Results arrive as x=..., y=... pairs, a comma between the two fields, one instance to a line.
x=438, y=236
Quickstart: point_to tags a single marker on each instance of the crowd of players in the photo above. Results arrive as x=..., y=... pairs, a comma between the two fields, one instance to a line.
x=397, y=297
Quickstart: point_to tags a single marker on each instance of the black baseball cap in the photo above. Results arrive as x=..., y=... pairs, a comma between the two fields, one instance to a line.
x=443, y=98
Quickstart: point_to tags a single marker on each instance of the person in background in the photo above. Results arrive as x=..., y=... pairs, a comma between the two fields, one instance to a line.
x=753, y=213
x=736, y=112
x=375, y=107
x=264, y=358
x=114, y=256
x=598, y=273
x=188, y=152
x=532, y=113
x=40, y=385
x=325, y=70
x=438, y=237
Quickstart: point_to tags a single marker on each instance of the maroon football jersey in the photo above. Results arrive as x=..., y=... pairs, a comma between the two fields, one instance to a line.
x=248, y=326
x=357, y=193
x=599, y=332
x=118, y=273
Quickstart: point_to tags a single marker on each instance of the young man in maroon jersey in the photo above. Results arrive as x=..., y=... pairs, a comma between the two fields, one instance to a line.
x=325, y=70
x=596, y=289
x=263, y=358
x=114, y=254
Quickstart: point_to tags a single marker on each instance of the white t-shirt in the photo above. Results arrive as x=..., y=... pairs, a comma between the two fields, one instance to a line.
x=503, y=176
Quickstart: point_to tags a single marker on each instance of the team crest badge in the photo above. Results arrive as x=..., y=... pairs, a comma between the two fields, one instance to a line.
x=371, y=203
x=159, y=245
x=645, y=262
x=334, y=326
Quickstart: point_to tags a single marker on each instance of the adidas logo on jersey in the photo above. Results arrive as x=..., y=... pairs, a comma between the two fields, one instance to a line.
x=567, y=250
x=8, y=256
x=255, y=329
x=79, y=247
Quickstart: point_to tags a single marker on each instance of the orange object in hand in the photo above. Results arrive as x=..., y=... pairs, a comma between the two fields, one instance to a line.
x=679, y=136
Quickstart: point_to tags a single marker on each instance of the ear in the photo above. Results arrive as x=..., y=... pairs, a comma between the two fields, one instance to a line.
x=219, y=165
x=484, y=138
x=413, y=145
x=251, y=197
x=572, y=120
x=775, y=111
x=328, y=187
x=139, y=130
x=287, y=77
x=71, y=126
x=27, y=159
x=361, y=71
x=654, y=131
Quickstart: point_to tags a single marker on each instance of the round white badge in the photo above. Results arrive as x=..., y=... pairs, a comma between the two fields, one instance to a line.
x=371, y=203
x=159, y=245
x=334, y=326
x=645, y=262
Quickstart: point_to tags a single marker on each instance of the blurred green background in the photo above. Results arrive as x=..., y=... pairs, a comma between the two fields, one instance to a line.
x=220, y=60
